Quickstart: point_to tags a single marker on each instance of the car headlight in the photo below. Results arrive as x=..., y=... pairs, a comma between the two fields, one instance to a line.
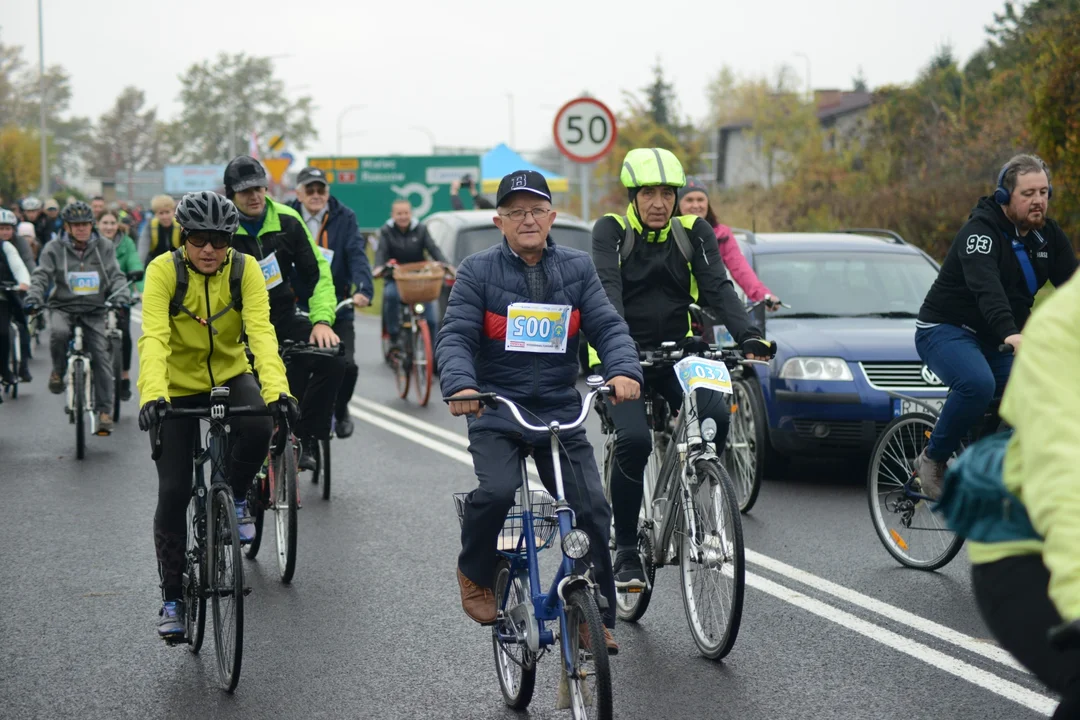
x=575, y=544
x=816, y=368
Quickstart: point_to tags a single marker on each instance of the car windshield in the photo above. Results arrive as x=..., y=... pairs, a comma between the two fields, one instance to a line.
x=850, y=284
x=481, y=238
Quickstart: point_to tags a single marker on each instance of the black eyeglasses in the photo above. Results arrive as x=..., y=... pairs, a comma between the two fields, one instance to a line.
x=218, y=241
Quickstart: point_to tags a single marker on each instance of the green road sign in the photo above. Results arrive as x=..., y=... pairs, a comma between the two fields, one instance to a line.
x=368, y=185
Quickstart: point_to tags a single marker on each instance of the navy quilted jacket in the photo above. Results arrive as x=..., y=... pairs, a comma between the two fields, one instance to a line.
x=470, y=349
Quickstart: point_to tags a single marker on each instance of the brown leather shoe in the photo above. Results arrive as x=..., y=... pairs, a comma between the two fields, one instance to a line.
x=477, y=602
x=609, y=639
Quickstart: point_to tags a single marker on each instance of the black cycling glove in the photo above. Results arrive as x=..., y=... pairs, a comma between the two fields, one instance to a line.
x=151, y=413
x=285, y=407
x=758, y=347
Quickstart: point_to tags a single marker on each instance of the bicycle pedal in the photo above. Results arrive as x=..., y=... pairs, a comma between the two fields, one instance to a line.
x=173, y=640
x=247, y=591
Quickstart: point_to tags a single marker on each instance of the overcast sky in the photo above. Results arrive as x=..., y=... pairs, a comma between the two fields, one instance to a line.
x=448, y=65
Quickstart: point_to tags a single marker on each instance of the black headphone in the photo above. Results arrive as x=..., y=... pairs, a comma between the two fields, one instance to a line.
x=1002, y=193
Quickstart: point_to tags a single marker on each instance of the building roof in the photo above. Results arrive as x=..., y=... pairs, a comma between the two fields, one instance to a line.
x=845, y=102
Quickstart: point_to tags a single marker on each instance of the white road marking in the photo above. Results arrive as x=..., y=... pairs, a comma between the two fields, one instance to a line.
x=388, y=419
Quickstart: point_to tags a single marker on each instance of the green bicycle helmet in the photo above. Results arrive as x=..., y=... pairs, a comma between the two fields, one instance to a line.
x=643, y=167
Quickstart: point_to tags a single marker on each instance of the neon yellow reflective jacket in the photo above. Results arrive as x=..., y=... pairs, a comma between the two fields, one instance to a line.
x=1042, y=463
x=178, y=356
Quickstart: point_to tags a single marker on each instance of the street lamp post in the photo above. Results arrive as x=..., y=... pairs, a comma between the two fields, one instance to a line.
x=340, y=117
x=41, y=91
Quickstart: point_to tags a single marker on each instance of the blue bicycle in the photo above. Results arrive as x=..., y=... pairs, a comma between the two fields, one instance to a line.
x=520, y=635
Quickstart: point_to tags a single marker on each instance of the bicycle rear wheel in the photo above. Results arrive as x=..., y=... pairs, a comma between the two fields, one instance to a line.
x=422, y=358
x=910, y=530
x=227, y=589
x=195, y=578
x=745, y=452
x=589, y=678
x=78, y=387
x=285, y=506
x=325, y=444
x=631, y=606
x=514, y=662
x=118, y=371
x=712, y=562
x=401, y=362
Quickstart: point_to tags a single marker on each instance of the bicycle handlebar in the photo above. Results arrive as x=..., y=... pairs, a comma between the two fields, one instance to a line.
x=206, y=412
x=671, y=355
x=289, y=348
x=340, y=306
x=493, y=399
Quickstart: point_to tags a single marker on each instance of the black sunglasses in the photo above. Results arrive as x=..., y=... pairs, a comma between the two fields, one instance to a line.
x=218, y=241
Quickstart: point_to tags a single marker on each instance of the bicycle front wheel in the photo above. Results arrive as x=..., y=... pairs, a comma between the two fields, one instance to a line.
x=422, y=361
x=745, y=451
x=914, y=535
x=227, y=589
x=285, y=506
x=118, y=372
x=588, y=678
x=514, y=662
x=78, y=388
x=711, y=560
x=325, y=467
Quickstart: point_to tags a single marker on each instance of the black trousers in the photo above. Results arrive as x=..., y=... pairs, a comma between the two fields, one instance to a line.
x=11, y=312
x=497, y=461
x=124, y=320
x=346, y=330
x=1013, y=601
x=249, y=442
x=313, y=380
x=633, y=443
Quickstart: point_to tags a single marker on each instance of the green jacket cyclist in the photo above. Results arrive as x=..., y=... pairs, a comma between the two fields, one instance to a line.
x=652, y=287
x=279, y=240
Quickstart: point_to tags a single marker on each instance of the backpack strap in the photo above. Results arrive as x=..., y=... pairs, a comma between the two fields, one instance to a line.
x=236, y=279
x=627, y=245
x=682, y=239
x=177, y=302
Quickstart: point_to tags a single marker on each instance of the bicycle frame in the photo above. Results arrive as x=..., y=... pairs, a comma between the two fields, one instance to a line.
x=546, y=606
x=76, y=355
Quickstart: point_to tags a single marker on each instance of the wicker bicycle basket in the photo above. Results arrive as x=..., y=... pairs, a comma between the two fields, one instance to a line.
x=419, y=282
x=545, y=524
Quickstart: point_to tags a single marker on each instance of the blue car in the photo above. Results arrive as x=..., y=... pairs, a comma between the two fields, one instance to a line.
x=848, y=336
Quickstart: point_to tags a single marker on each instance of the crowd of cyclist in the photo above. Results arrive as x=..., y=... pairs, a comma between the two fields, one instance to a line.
x=666, y=251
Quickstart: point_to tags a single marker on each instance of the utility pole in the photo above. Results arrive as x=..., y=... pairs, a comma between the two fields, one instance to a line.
x=41, y=92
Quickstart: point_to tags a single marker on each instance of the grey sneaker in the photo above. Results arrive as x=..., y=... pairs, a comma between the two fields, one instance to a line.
x=931, y=475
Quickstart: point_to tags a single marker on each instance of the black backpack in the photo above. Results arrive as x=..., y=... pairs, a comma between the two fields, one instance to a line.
x=236, y=276
x=678, y=232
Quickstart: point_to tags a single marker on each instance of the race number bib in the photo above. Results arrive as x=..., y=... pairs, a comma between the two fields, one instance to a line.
x=328, y=254
x=271, y=271
x=696, y=373
x=537, y=328
x=84, y=283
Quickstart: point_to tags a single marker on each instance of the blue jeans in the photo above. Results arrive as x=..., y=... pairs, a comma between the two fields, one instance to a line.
x=391, y=312
x=974, y=371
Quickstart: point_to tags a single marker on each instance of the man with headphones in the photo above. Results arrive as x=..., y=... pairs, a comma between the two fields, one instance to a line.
x=982, y=297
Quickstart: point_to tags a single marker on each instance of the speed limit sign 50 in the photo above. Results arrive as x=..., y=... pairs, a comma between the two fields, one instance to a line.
x=585, y=130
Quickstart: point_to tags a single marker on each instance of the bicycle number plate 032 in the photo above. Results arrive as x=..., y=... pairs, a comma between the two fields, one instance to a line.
x=271, y=271
x=537, y=328
x=696, y=373
x=84, y=283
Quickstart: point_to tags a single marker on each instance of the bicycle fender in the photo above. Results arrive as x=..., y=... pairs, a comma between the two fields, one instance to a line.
x=573, y=582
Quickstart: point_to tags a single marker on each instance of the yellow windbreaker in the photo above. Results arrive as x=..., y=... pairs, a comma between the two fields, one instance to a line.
x=179, y=356
x=1042, y=463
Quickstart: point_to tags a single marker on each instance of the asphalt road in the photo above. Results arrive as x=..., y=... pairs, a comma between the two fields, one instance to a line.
x=371, y=626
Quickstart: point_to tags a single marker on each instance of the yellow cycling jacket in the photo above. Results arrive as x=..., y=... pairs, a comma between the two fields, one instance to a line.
x=1042, y=463
x=179, y=356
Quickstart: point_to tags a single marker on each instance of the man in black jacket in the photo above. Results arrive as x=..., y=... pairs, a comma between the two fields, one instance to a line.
x=404, y=240
x=337, y=236
x=650, y=283
x=1003, y=254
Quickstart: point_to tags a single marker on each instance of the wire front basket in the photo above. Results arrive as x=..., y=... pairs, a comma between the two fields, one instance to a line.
x=545, y=523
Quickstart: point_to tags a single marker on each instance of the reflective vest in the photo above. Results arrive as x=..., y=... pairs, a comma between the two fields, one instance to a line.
x=154, y=250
